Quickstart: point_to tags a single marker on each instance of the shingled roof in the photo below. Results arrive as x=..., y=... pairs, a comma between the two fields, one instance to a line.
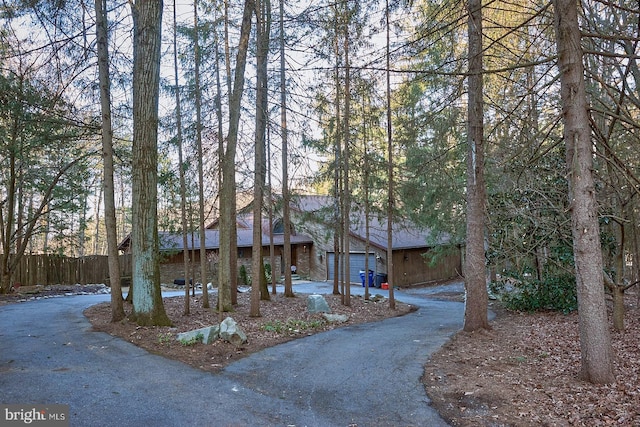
x=173, y=241
x=406, y=235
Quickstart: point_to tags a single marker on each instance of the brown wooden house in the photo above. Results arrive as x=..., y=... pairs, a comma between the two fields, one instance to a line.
x=171, y=248
x=314, y=215
x=312, y=250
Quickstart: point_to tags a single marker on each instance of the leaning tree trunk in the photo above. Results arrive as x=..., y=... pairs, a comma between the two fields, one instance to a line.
x=595, y=342
x=117, y=306
x=228, y=244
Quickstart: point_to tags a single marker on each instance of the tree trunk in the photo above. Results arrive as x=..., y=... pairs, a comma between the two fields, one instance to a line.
x=635, y=254
x=220, y=137
x=617, y=293
x=228, y=235
x=367, y=203
x=7, y=212
x=391, y=185
x=272, y=246
x=619, y=283
x=96, y=208
x=263, y=28
x=336, y=252
x=183, y=184
x=193, y=250
x=618, y=308
x=346, y=195
x=148, y=308
x=285, y=148
x=256, y=268
x=337, y=225
x=595, y=342
x=477, y=299
x=117, y=307
x=286, y=197
x=198, y=101
x=264, y=287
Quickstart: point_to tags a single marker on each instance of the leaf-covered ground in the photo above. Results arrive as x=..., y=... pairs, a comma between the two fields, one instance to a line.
x=525, y=372
x=282, y=319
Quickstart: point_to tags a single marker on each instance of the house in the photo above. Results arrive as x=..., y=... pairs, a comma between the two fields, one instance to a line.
x=171, y=247
x=312, y=246
x=314, y=216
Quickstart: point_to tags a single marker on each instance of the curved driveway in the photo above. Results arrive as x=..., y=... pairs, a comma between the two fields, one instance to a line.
x=361, y=375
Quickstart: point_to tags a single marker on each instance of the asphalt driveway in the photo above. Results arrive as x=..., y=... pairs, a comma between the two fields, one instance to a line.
x=361, y=375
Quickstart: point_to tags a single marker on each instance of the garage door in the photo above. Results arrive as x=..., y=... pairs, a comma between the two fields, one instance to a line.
x=356, y=262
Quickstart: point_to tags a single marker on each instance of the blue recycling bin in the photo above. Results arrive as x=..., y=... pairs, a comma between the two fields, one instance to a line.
x=362, y=277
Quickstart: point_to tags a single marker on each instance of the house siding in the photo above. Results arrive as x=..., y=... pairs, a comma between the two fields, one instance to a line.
x=172, y=267
x=411, y=268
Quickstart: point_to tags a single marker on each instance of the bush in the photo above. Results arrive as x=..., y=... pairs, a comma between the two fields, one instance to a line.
x=291, y=326
x=557, y=293
x=192, y=341
x=243, y=277
x=267, y=272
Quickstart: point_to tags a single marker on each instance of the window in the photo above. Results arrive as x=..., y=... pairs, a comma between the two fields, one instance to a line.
x=278, y=226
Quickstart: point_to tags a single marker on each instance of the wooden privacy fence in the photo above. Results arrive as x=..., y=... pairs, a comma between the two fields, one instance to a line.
x=61, y=270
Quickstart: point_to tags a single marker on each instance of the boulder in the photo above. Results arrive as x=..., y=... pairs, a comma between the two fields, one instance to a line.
x=377, y=298
x=231, y=332
x=317, y=304
x=335, y=318
x=209, y=334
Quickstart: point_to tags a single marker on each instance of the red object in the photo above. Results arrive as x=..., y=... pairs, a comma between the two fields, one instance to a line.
x=385, y=286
